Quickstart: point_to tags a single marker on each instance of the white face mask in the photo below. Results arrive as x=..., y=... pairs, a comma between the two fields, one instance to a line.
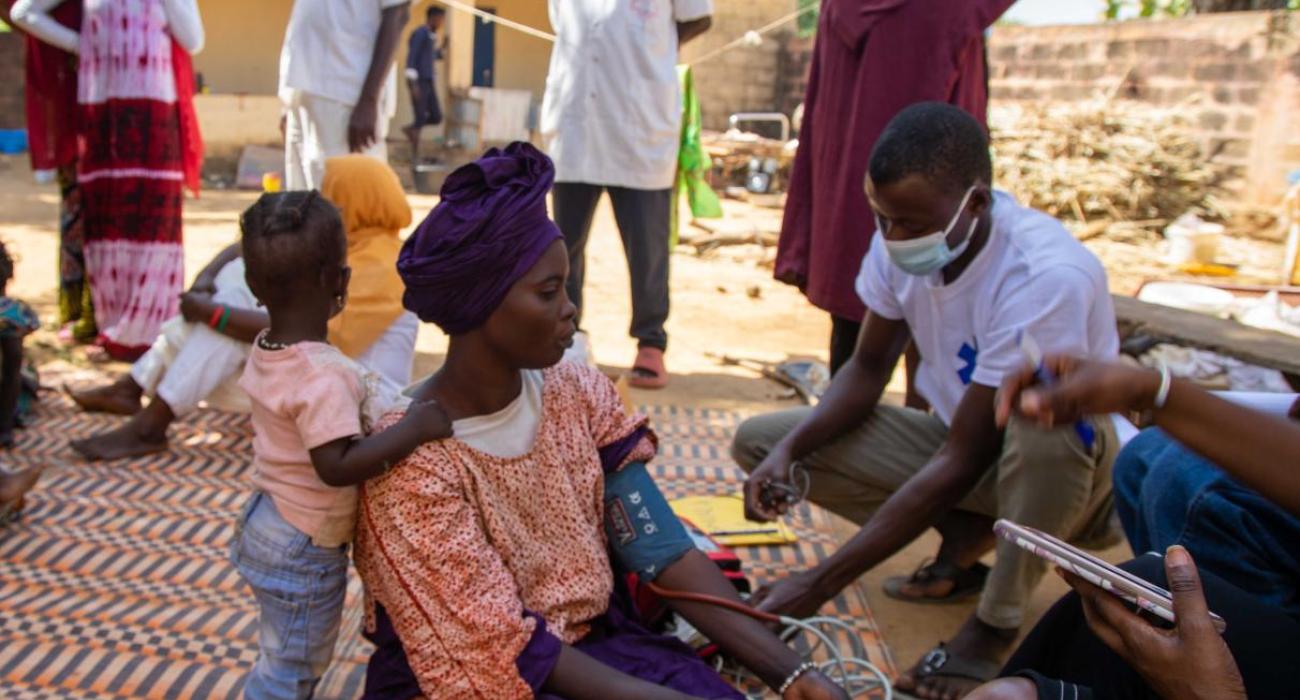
x=929, y=253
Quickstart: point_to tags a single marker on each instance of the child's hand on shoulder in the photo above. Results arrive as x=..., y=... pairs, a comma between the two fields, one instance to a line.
x=427, y=421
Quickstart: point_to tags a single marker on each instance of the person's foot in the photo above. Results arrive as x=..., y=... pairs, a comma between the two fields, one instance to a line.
x=955, y=668
x=938, y=582
x=121, y=398
x=956, y=573
x=13, y=486
x=120, y=443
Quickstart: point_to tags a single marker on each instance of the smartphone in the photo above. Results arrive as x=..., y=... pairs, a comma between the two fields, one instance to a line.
x=1142, y=594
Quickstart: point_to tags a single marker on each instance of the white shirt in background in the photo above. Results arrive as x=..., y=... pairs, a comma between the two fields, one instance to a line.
x=1031, y=275
x=612, y=111
x=327, y=50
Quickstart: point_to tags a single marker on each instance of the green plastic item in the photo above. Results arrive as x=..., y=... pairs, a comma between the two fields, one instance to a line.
x=693, y=161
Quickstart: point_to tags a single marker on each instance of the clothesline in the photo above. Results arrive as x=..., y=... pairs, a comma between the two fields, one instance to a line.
x=747, y=37
x=743, y=39
x=489, y=17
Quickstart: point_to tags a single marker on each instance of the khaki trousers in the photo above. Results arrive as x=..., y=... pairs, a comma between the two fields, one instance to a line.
x=1044, y=479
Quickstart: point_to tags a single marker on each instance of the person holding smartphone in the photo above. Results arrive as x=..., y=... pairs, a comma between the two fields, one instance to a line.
x=1090, y=644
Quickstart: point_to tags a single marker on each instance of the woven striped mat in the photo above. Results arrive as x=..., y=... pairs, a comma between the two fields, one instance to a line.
x=115, y=583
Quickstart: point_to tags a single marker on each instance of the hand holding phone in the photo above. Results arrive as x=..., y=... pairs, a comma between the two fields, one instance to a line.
x=1137, y=592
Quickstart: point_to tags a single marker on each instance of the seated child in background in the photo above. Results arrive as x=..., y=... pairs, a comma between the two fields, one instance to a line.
x=199, y=355
x=17, y=387
x=311, y=407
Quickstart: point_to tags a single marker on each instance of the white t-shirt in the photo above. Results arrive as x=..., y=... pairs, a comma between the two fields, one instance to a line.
x=612, y=111
x=510, y=432
x=1032, y=275
x=327, y=50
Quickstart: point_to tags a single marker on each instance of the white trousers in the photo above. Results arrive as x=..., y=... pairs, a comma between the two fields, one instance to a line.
x=190, y=363
x=316, y=129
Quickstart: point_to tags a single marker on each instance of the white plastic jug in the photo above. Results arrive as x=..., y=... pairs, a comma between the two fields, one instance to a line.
x=1192, y=240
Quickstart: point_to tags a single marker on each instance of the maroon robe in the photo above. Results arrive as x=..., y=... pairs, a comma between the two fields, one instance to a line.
x=872, y=59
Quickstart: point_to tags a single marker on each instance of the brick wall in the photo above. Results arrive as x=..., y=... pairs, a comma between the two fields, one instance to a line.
x=11, y=81
x=745, y=78
x=1238, y=74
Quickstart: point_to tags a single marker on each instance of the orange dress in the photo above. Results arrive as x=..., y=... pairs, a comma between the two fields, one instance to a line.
x=459, y=546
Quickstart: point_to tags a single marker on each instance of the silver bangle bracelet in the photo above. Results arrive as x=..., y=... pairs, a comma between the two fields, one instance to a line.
x=1166, y=383
x=794, y=676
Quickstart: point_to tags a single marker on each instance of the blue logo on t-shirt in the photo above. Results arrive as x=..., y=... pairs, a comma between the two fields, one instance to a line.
x=968, y=354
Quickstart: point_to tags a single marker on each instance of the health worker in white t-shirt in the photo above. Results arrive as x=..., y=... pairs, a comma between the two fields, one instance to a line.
x=974, y=279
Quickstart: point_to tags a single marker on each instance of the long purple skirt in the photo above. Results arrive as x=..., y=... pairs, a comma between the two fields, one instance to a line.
x=616, y=640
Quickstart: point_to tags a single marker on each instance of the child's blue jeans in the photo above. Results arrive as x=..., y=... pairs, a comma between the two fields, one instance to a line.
x=1166, y=495
x=300, y=589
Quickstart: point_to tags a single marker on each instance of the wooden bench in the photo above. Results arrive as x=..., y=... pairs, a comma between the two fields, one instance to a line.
x=1255, y=346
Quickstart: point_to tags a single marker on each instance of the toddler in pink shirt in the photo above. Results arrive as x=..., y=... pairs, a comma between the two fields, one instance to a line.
x=312, y=410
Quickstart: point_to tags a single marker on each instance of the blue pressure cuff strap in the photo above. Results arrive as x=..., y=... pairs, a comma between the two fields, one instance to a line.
x=644, y=534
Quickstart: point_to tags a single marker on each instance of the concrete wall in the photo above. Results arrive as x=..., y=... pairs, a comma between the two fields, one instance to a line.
x=522, y=61
x=744, y=78
x=230, y=122
x=1237, y=73
x=242, y=51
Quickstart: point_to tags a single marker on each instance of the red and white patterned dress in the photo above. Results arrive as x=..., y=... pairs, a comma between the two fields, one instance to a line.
x=457, y=544
x=132, y=168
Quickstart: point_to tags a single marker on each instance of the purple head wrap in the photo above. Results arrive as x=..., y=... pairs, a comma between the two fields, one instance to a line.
x=488, y=231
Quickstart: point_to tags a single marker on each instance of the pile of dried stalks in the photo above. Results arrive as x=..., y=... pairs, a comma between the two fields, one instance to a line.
x=1104, y=163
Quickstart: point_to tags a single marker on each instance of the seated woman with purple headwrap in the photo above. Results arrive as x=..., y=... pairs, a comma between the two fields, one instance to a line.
x=486, y=557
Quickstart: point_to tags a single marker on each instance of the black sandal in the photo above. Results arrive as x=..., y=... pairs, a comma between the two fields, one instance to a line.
x=967, y=583
x=938, y=663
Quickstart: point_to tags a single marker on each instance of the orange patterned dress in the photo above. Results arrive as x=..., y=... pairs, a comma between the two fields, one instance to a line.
x=465, y=551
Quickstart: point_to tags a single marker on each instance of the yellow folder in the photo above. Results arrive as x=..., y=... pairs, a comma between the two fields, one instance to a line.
x=723, y=518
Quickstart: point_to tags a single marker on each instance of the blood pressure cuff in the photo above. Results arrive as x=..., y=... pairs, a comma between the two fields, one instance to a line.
x=644, y=534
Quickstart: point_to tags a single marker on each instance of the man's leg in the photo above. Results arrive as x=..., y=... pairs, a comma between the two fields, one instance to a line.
x=643, y=223
x=1047, y=480
x=412, y=130
x=1167, y=495
x=574, y=204
x=325, y=135
x=1129, y=479
x=206, y=362
x=188, y=363
x=1044, y=479
x=844, y=340
x=295, y=155
x=123, y=397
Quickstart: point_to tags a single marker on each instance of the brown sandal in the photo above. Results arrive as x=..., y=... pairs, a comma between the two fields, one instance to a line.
x=966, y=583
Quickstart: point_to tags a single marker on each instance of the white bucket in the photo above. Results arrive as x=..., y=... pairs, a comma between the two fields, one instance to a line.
x=1192, y=241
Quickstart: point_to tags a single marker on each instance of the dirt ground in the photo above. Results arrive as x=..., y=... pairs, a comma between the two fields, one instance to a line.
x=724, y=302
